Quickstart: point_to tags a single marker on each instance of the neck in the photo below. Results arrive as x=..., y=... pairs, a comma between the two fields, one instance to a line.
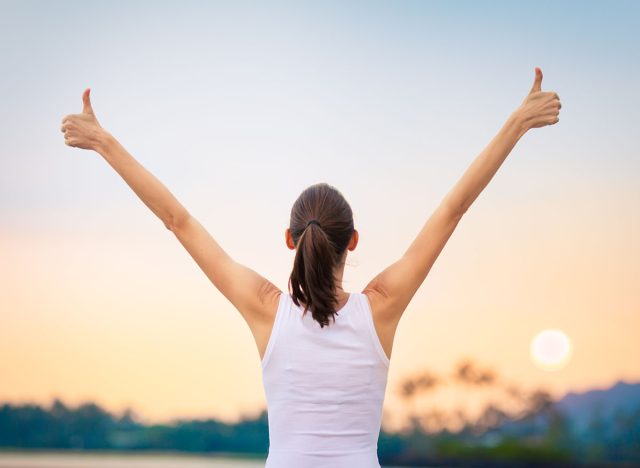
x=339, y=273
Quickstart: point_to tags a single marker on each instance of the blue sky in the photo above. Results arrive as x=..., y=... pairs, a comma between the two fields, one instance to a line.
x=202, y=89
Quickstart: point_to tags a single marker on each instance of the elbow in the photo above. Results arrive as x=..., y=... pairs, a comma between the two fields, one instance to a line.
x=457, y=210
x=461, y=211
x=177, y=221
x=456, y=205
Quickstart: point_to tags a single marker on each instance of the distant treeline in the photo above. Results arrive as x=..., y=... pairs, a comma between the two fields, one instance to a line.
x=88, y=426
x=541, y=433
x=536, y=440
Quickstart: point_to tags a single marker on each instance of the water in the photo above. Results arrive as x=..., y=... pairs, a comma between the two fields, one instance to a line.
x=92, y=460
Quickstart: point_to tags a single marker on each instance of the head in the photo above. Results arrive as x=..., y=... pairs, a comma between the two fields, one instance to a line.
x=321, y=248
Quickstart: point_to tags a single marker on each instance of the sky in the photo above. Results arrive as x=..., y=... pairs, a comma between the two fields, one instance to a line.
x=237, y=107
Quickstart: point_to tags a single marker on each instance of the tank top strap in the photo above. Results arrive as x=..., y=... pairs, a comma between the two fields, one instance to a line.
x=365, y=310
x=284, y=305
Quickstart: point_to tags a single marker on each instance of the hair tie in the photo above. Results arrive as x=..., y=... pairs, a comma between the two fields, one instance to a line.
x=313, y=221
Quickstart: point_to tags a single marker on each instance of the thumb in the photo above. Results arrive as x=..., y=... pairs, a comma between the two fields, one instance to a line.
x=86, y=102
x=537, y=82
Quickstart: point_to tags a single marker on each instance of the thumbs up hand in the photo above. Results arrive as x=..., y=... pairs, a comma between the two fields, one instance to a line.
x=539, y=108
x=83, y=130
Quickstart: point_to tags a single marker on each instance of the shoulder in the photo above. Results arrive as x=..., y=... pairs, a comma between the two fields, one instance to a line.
x=383, y=307
x=384, y=320
x=269, y=300
x=261, y=323
x=261, y=311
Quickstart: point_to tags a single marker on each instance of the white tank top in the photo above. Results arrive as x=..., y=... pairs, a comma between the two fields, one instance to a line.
x=324, y=387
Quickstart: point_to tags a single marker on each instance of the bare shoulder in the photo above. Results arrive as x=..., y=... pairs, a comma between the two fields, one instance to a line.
x=376, y=301
x=384, y=306
x=269, y=298
x=384, y=319
x=262, y=323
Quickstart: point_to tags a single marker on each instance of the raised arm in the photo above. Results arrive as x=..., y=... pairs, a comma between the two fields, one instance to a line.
x=391, y=291
x=250, y=293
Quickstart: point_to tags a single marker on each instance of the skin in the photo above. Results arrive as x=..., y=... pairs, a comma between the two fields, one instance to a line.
x=255, y=297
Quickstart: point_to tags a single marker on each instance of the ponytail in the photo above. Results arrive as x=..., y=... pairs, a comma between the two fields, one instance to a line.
x=312, y=278
x=321, y=226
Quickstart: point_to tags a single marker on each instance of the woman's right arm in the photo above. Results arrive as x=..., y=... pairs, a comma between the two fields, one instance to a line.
x=253, y=295
x=391, y=291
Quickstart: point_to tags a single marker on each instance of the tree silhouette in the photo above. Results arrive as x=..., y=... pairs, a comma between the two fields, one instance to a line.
x=467, y=372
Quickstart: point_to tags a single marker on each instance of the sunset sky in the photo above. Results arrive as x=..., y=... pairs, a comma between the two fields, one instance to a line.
x=237, y=107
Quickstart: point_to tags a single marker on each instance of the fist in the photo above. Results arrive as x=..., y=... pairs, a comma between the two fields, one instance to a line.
x=540, y=108
x=82, y=130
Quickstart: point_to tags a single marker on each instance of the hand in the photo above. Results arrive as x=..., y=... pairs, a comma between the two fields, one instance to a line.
x=83, y=130
x=539, y=108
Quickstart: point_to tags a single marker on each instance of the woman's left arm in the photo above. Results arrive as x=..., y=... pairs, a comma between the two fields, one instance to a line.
x=250, y=293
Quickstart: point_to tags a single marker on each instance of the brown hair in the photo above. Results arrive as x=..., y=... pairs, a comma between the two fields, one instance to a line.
x=319, y=248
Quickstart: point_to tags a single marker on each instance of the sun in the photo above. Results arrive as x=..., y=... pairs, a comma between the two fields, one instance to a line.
x=551, y=349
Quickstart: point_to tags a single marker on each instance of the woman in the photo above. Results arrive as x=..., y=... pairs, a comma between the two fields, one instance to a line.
x=325, y=352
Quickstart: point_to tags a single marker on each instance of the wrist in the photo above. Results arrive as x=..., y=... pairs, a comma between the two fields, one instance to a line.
x=103, y=141
x=518, y=122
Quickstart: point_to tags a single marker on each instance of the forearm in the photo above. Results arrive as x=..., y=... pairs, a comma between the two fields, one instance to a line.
x=145, y=185
x=485, y=165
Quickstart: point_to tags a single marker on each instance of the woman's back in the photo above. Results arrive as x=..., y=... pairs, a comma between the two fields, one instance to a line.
x=325, y=387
